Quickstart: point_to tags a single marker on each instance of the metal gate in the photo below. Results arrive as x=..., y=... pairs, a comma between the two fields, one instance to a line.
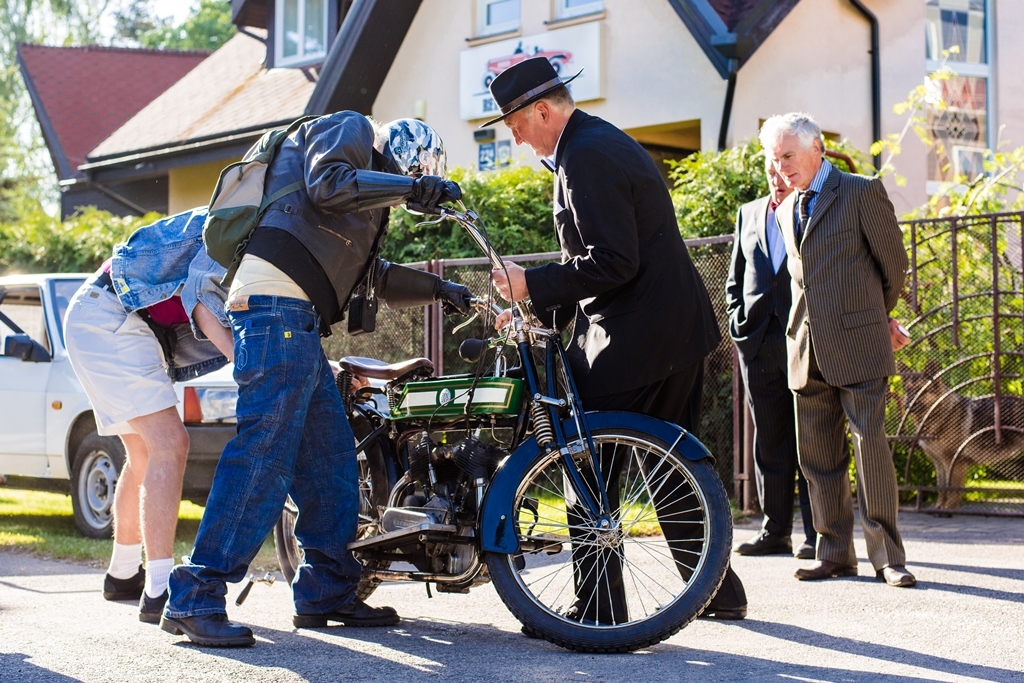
x=956, y=410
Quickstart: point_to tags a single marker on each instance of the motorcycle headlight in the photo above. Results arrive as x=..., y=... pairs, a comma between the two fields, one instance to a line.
x=210, y=404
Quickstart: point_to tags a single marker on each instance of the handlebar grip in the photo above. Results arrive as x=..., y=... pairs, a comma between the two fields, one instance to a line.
x=470, y=350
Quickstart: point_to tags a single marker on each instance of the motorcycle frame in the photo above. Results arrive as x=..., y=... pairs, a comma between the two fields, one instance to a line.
x=571, y=433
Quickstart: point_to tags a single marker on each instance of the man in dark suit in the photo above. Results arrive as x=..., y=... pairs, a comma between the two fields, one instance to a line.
x=848, y=264
x=757, y=298
x=643, y=319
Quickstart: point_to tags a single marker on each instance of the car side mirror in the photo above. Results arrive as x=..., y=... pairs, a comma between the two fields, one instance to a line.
x=26, y=348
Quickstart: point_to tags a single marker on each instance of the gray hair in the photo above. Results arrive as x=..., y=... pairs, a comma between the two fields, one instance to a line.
x=803, y=126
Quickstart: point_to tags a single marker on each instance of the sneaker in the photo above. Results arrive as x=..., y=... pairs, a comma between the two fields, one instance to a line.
x=150, y=609
x=124, y=589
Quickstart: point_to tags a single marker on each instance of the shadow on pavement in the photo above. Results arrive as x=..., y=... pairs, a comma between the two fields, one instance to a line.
x=15, y=668
x=420, y=649
x=1001, y=572
x=885, y=653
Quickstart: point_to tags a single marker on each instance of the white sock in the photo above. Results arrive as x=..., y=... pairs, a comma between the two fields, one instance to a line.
x=125, y=560
x=157, y=572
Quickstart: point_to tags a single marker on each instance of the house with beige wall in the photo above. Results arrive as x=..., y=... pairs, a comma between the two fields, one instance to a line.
x=677, y=75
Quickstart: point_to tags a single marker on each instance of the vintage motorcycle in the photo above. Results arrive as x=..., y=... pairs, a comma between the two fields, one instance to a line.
x=601, y=531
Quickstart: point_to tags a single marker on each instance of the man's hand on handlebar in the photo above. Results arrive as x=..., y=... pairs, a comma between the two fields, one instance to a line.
x=503, y=319
x=454, y=297
x=510, y=282
x=429, y=191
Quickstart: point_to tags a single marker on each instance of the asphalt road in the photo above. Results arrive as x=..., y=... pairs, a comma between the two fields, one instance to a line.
x=964, y=622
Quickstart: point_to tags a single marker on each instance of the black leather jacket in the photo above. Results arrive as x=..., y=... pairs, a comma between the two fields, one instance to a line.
x=337, y=214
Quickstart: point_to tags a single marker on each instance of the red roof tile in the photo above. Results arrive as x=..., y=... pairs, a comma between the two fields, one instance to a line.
x=232, y=91
x=86, y=93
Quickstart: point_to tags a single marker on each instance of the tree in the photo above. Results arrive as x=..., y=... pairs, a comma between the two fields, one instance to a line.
x=25, y=174
x=207, y=28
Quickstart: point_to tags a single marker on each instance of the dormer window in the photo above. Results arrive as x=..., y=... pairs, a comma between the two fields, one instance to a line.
x=300, y=32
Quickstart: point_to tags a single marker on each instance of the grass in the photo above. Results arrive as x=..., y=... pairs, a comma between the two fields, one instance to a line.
x=42, y=524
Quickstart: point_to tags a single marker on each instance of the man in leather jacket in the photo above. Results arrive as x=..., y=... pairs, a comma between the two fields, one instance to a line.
x=312, y=250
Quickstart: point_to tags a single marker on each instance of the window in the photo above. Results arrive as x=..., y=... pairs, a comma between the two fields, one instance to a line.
x=24, y=308
x=567, y=9
x=300, y=32
x=962, y=128
x=497, y=16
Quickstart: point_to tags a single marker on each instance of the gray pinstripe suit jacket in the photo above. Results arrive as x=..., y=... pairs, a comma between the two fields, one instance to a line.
x=847, y=274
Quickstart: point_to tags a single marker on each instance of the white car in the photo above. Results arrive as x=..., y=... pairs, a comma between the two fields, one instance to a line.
x=48, y=438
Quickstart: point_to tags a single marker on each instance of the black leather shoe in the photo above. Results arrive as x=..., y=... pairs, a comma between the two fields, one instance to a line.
x=805, y=551
x=823, y=569
x=356, y=614
x=150, y=609
x=210, y=630
x=713, y=611
x=766, y=543
x=124, y=589
x=896, y=575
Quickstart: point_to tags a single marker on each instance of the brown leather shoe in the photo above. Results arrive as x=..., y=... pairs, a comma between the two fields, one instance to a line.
x=823, y=569
x=896, y=575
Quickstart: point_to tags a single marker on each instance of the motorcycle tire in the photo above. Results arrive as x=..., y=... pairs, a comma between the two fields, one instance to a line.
x=375, y=482
x=615, y=584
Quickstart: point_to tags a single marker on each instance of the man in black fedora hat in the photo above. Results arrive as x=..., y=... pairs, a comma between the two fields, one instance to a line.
x=643, y=319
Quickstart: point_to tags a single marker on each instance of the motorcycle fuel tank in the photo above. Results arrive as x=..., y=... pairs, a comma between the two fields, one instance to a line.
x=447, y=397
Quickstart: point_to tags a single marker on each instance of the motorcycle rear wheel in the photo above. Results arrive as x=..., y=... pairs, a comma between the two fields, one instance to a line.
x=375, y=483
x=616, y=584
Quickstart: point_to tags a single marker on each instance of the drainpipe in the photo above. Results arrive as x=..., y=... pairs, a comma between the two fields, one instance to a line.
x=727, y=108
x=876, y=78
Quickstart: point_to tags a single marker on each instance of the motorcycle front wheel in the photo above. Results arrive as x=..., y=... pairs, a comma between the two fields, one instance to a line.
x=636, y=574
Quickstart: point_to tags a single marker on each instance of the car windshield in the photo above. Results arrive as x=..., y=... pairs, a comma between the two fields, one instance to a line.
x=61, y=292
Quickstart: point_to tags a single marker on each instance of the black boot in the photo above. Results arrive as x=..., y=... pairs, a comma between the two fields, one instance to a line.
x=210, y=630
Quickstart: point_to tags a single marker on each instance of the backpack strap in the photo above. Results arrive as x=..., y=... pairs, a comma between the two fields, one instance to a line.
x=286, y=190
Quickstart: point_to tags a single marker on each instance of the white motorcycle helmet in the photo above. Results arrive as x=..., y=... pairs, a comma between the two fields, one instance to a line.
x=413, y=147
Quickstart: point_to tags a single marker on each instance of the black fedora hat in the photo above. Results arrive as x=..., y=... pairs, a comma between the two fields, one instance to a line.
x=522, y=83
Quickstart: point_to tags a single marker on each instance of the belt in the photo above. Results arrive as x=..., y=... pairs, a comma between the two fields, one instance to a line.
x=103, y=281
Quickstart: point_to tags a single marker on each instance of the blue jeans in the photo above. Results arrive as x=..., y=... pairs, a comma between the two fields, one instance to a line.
x=293, y=438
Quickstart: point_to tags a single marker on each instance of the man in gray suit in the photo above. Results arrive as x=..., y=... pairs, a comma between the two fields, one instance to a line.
x=757, y=298
x=848, y=264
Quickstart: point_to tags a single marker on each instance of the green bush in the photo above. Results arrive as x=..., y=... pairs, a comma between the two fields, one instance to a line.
x=710, y=186
x=39, y=243
x=514, y=205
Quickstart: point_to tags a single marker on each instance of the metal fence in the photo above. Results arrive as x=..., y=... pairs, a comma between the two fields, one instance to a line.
x=416, y=332
x=955, y=413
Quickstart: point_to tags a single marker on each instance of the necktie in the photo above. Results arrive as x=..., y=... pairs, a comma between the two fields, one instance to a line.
x=805, y=213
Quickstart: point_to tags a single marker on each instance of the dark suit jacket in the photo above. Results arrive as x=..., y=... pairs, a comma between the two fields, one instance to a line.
x=848, y=272
x=754, y=292
x=642, y=312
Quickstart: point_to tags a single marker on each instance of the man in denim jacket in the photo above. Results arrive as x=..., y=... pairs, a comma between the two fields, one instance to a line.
x=313, y=249
x=151, y=316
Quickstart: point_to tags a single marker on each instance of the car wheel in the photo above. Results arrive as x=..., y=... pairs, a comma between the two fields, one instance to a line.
x=98, y=462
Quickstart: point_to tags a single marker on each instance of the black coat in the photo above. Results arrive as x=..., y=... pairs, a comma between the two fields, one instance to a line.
x=642, y=312
x=754, y=292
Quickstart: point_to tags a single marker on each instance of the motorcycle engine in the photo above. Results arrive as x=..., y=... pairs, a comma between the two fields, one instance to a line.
x=448, y=481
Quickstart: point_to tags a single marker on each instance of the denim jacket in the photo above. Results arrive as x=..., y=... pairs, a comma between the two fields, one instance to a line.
x=168, y=258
